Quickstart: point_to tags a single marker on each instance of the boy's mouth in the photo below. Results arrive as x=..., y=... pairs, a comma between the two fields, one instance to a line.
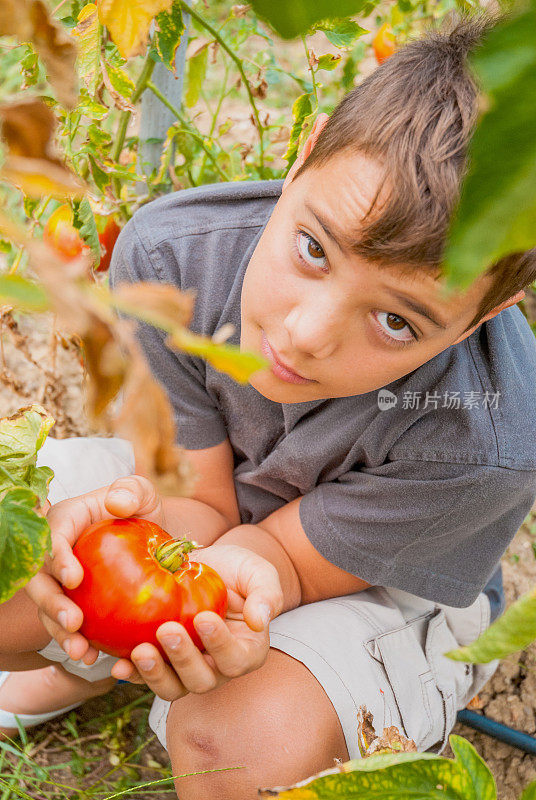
x=279, y=368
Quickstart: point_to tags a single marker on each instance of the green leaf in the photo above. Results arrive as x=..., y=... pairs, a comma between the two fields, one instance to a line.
x=197, y=67
x=84, y=221
x=21, y=436
x=400, y=776
x=530, y=792
x=98, y=137
x=341, y=32
x=24, y=540
x=22, y=293
x=301, y=111
x=291, y=19
x=480, y=783
x=101, y=178
x=167, y=38
x=513, y=631
x=91, y=108
x=496, y=214
x=328, y=62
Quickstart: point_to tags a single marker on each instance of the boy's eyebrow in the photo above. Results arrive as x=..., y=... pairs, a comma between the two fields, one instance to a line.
x=341, y=240
x=419, y=308
x=408, y=301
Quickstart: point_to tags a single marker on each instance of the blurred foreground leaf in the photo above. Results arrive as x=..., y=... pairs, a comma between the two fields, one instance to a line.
x=496, y=214
x=291, y=19
x=21, y=437
x=513, y=631
x=400, y=777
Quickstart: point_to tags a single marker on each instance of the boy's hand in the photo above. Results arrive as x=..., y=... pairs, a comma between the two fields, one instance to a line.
x=236, y=646
x=130, y=496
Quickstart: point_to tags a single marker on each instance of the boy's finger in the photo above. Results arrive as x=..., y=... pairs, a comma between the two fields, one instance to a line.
x=74, y=644
x=261, y=587
x=64, y=566
x=133, y=494
x=51, y=601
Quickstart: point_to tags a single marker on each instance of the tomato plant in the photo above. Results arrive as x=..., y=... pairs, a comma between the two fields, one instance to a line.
x=384, y=43
x=60, y=233
x=137, y=576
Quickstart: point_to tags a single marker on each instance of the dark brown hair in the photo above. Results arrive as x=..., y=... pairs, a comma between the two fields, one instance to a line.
x=415, y=114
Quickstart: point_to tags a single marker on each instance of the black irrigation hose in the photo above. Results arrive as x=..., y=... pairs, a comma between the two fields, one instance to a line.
x=523, y=741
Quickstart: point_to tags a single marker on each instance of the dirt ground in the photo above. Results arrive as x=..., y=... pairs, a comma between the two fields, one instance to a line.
x=510, y=696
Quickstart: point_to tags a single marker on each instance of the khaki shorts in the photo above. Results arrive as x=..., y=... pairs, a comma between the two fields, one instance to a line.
x=381, y=648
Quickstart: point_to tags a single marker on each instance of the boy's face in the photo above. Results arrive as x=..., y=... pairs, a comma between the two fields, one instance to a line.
x=343, y=324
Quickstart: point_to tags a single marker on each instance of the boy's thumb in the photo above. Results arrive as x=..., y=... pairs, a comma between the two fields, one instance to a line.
x=131, y=495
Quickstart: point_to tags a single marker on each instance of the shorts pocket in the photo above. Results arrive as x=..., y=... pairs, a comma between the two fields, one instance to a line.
x=410, y=675
x=452, y=678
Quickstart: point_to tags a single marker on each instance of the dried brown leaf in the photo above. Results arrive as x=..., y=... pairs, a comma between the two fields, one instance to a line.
x=146, y=419
x=390, y=741
x=105, y=363
x=30, y=21
x=32, y=162
x=158, y=301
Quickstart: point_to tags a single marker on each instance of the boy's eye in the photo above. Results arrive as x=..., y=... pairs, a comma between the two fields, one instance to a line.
x=309, y=250
x=390, y=325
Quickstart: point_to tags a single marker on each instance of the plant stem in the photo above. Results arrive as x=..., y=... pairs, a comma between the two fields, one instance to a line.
x=184, y=122
x=214, y=121
x=124, y=119
x=240, y=68
x=310, y=69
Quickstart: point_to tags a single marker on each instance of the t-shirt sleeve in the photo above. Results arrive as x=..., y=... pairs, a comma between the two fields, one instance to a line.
x=199, y=423
x=434, y=529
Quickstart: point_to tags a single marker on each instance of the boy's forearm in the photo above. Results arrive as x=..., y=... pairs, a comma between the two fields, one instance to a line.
x=255, y=538
x=185, y=517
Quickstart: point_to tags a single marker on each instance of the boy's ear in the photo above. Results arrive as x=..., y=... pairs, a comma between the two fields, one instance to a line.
x=309, y=143
x=493, y=313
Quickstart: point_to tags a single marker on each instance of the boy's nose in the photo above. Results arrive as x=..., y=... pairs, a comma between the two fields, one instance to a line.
x=312, y=331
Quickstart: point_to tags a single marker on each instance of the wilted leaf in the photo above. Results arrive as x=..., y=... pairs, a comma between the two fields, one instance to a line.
x=23, y=294
x=496, y=214
x=291, y=19
x=159, y=304
x=106, y=365
x=24, y=540
x=513, y=631
x=399, y=776
x=28, y=129
x=129, y=21
x=30, y=21
x=197, y=67
x=302, y=110
x=168, y=31
x=224, y=357
x=21, y=436
x=119, y=85
x=146, y=419
x=88, y=31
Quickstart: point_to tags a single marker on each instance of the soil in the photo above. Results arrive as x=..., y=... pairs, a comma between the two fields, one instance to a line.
x=509, y=697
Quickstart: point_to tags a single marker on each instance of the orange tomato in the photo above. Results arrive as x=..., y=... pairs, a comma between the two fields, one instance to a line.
x=384, y=43
x=60, y=233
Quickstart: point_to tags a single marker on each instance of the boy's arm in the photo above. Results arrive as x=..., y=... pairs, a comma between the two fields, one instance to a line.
x=212, y=508
x=305, y=575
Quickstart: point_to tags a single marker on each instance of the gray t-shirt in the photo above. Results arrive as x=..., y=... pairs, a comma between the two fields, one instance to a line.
x=424, y=494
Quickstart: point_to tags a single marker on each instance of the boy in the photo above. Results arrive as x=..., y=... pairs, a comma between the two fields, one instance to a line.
x=366, y=525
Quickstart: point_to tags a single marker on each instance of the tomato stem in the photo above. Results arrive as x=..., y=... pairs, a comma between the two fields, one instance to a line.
x=174, y=555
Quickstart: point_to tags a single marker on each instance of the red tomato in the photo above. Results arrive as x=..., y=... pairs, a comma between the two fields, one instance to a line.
x=137, y=576
x=60, y=233
x=384, y=43
x=107, y=238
